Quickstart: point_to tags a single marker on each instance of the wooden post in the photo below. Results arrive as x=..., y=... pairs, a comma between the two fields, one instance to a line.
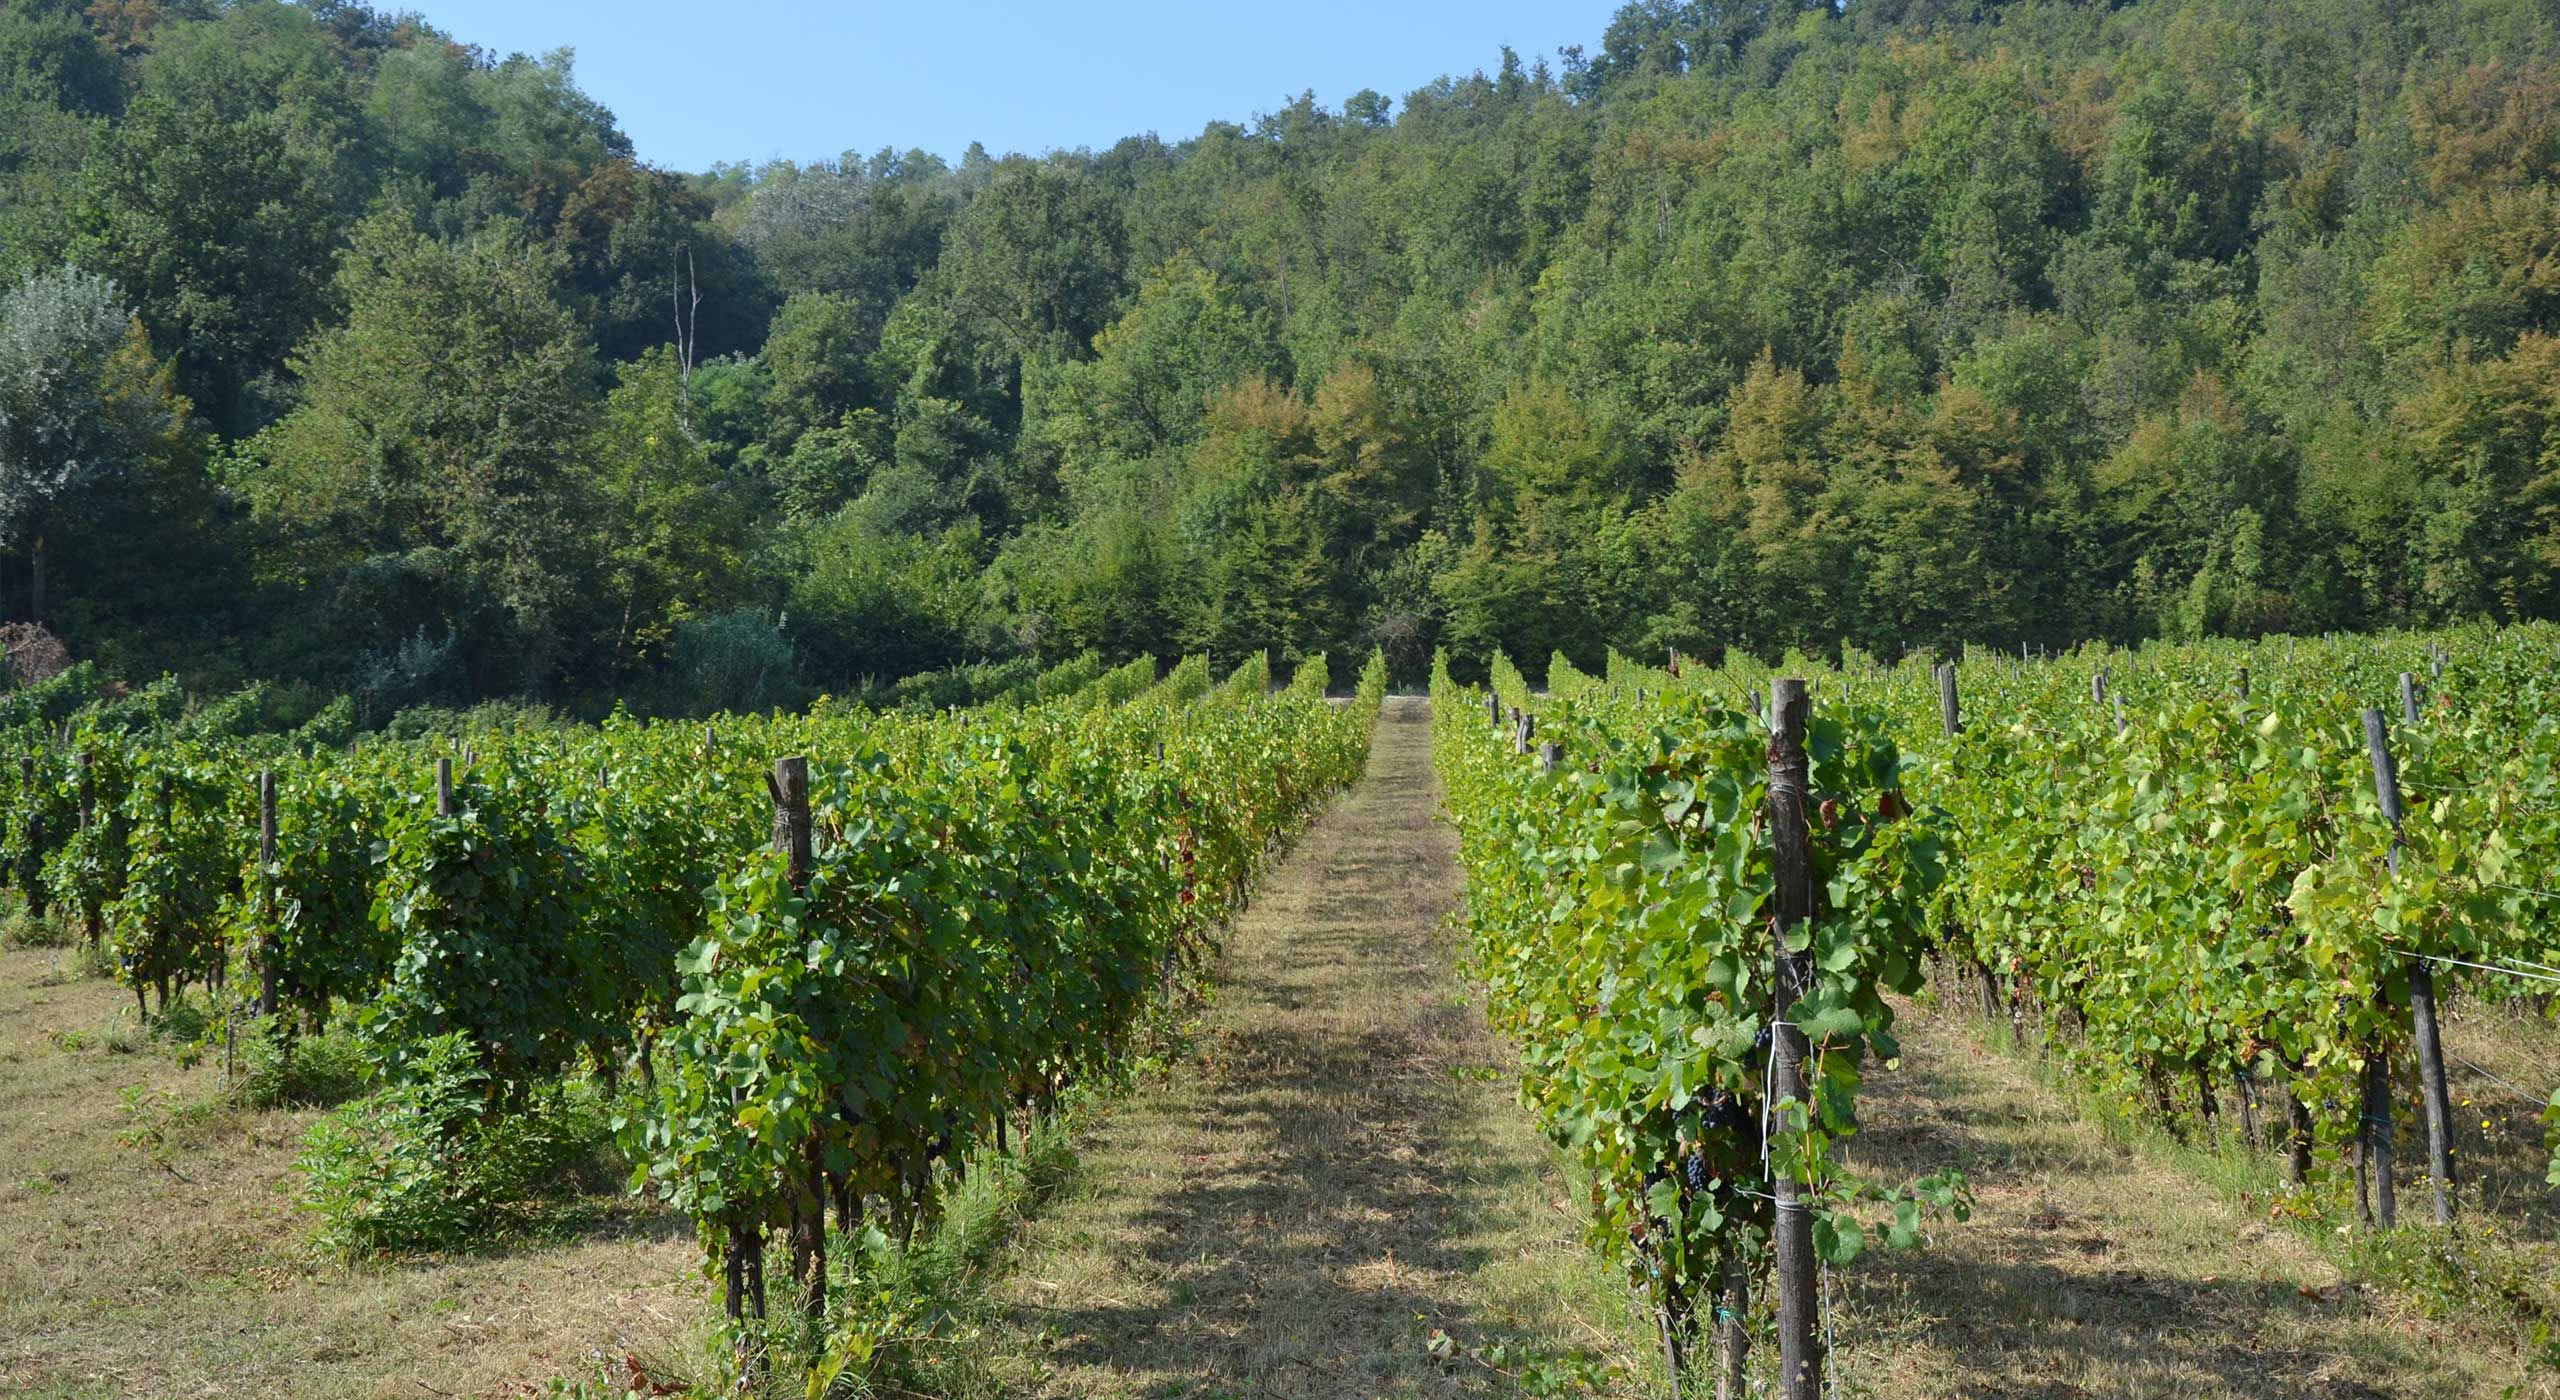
x=791, y=841
x=1800, y=1361
x=2297, y=1141
x=444, y=787
x=743, y=1267
x=2433, y=1094
x=1950, y=713
x=1550, y=754
x=35, y=892
x=2119, y=699
x=2408, y=698
x=165, y=935
x=2244, y=682
x=2377, y=1136
x=1493, y=707
x=270, y=982
x=791, y=838
x=2098, y=685
x=1733, y=1331
x=91, y=929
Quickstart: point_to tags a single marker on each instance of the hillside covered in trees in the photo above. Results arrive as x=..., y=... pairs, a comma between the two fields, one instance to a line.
x=336, y=351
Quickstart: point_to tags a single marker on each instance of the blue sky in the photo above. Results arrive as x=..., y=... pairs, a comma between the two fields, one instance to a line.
x=804, y=79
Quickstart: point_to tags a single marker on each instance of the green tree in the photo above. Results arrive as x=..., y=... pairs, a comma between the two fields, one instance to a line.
x=81, y=400
x=670, y=530
x=426, y=475
x=221, y=197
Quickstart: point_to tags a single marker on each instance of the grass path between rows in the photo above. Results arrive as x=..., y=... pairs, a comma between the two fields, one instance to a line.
x=1338, y=1173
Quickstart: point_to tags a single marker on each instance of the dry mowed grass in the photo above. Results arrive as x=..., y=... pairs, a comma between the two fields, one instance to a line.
x=2097, y=1266
x=120, y=1276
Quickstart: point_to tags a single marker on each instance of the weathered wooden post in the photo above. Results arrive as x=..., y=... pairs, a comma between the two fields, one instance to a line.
x=36, y=834
x=2433, y=1094
x=2408, y=698
x=91, y=929
x=791, y=841
x=270, y=977
x=1800, y=1360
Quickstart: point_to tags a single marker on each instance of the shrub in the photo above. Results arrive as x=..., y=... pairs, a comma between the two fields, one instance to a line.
x=330, y=728
x=420, y=671
x=423, y=1165
x=738, y=661
x=288, y=1071
x=22, y=927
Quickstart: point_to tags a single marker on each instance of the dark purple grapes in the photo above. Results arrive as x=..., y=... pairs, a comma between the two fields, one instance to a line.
x=1724, y=1111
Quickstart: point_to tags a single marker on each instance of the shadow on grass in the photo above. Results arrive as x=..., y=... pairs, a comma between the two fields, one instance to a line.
x=2087, y=1270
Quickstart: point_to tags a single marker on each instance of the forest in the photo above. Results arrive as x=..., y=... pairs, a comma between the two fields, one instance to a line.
x=339, y=354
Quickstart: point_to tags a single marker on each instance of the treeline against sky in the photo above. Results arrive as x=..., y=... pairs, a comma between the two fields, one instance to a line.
x=338, y=351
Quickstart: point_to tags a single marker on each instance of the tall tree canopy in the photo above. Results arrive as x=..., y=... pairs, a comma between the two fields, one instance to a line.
x=1888, y=324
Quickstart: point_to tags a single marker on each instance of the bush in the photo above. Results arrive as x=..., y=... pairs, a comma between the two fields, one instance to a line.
x=241, y=713
x=423, y=1164
x=420, y=671
x=738, y=661
x=22, y=927
x=491, y=716
x=978, y=683
x=331, y=727
x=53, y=699
x=281, y=1071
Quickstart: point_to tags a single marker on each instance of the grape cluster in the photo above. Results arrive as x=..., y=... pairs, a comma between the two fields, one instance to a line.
x=1717, y=1113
